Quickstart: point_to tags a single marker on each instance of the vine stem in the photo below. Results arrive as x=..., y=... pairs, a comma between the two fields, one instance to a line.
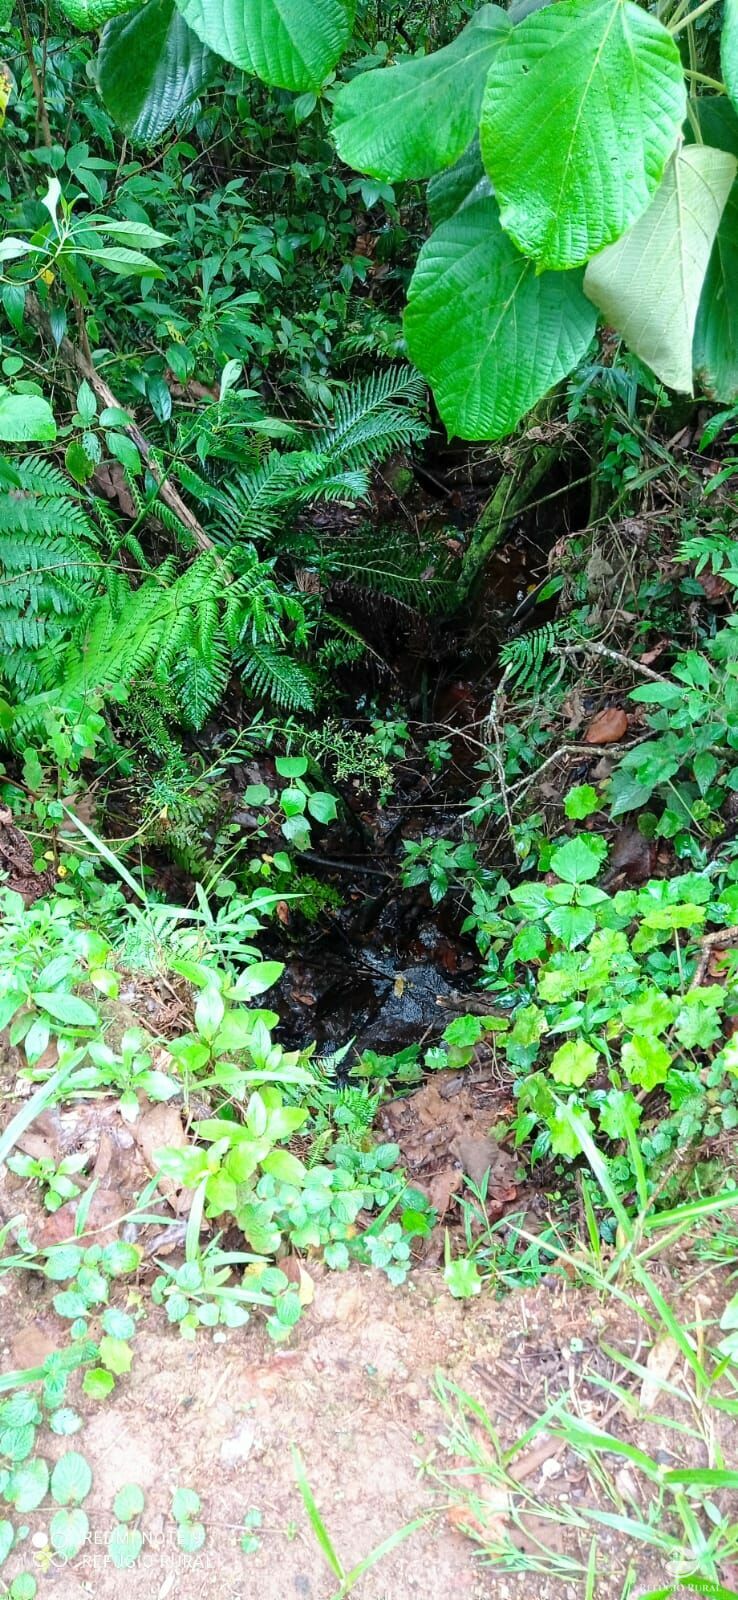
x=684, y=22
x=38, y=92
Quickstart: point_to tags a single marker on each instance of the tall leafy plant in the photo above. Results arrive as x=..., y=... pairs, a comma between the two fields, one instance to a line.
x=571, y=176
x=575, y=195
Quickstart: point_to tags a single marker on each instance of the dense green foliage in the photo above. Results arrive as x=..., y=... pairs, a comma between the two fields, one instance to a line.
x=560, y=128
x=252, y=657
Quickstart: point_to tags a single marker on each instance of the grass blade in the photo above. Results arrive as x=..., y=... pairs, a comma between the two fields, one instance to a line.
x=316, y=1521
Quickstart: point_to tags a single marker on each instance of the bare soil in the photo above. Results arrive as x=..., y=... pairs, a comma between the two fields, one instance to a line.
x=354, y=1391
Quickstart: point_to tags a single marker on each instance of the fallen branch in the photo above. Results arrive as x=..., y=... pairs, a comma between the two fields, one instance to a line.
x=76, y=361
x=723, y=938
x=591, y=647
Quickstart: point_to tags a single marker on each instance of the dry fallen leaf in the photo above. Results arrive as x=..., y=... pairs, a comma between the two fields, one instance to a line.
x=660, y=1360
x=157, y=1126
x=607, y=727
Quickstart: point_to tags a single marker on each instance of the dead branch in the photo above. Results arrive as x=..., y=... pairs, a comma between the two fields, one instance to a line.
x=75, y=360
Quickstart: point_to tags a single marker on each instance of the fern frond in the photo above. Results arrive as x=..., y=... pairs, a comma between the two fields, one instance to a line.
x=275, y=676
x=374, y=418
x=524, y=659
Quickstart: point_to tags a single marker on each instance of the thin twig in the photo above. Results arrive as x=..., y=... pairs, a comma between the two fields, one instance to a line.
x=591, y=647
x=38, y=91
x=75, y=360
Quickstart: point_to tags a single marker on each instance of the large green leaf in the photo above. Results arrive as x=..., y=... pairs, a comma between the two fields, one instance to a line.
x=729, y=49
x=715, y=352
x=150, y=67
x=293, y=44
x=648, y=285
x=418, y=117
x=489, y=333
x=582, y=109
x=25, y=417
x=466, y=180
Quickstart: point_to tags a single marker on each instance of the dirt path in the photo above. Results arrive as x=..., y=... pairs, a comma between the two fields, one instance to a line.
x=354, y=1391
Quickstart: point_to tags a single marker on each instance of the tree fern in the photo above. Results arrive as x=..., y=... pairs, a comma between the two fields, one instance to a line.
x=374, y=418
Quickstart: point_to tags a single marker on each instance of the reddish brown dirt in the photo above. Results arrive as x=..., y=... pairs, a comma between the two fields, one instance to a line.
x=354, y=1392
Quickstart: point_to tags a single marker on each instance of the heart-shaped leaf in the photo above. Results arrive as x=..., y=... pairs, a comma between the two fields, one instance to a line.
x=71, y=1479
x=68, y=1532
x=490, y=334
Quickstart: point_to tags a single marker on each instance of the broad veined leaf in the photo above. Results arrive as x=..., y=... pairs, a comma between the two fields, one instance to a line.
x=92, y=14
x=25, y=417
x=489, y=334
x=648, y=285
x=465, y=181
x=150, y=67
x=293, y=44
x=729, y=49
x=715, y=351
x=582, y=109
x=418, y=117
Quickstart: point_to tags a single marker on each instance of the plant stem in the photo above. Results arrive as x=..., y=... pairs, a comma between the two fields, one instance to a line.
x=38, y=92
x=701, y=77
x=699, y=11
x=508, y=501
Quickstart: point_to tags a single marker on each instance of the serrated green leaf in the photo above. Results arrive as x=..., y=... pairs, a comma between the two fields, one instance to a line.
x=578, y=860
x=415, y=118
x=97, y=1383
x=65, y=1421
x=71, y=1479
x=648, y=285
x=124, y=1546
x=190, y=1536
x=292, y=44
x=645, y=1061
x=119, y=1258
x=119, y=1324
x=571, y=924
x=465, y=181
x=28, y=1485
x=489, y=334
x=620, y=1114
x=68, y=1532
x=185, y=1503
x=583, y=107
x=129, y=1502
x=150, y=68
x=581, y=802
x=20, y=1410
x=573, y=1063
x=25, y=418
x=116, y=1355
x=17, y=1443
